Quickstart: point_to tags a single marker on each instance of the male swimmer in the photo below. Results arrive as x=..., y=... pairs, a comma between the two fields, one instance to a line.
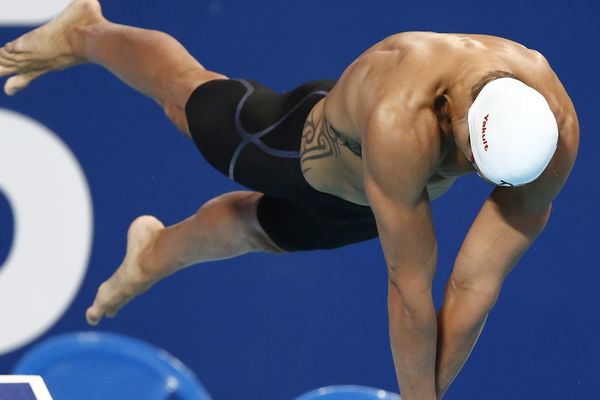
x=335, y=163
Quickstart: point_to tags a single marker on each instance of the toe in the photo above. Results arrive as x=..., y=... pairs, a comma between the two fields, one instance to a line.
x=19, y=82
x=17, y=46
x=5, y=71
x=5, y=58
x=92, y=316
x=9, y=59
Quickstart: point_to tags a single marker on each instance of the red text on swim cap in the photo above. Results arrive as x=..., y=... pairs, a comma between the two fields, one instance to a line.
x=483, y=129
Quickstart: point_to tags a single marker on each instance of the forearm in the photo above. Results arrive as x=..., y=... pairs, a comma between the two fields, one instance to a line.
x=460, y=322
x=499, y=236
x=413, y=341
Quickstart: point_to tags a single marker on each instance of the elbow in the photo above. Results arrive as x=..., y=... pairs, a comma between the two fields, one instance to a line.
x=539, y=217
x=410, y=297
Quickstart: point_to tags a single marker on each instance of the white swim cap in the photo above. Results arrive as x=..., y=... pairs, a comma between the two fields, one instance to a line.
x=513, y=132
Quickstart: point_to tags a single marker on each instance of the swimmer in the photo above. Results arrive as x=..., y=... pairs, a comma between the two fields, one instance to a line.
x=332, y=163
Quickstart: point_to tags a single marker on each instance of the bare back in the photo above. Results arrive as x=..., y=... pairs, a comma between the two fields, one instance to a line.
x=404, y=74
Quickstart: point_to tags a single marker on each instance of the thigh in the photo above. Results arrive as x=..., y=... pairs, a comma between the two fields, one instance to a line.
x=252, y=134
x=210, y=113
x=294, y=227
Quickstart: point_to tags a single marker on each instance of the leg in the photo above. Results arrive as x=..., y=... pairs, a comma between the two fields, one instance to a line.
x=151, y=62
x=224, y=227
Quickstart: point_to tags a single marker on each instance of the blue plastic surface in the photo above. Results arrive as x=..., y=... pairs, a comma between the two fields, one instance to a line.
x=348, y=392
x=100, y=366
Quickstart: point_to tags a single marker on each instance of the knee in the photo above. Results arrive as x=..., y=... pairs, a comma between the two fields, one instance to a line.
x=181, y=88
x=263, y=242
x=241, y=209
x=247, y=207
x=177, y=116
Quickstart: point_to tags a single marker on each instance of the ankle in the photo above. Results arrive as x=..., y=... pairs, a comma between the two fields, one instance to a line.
x=77, y=39
x=155, y=265
x=80, y=39
x=151, y=266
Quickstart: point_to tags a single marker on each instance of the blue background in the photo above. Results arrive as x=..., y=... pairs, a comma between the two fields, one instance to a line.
x=272, y=327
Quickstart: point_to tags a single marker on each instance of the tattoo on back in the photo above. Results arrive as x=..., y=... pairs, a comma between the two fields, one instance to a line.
x=321, y=140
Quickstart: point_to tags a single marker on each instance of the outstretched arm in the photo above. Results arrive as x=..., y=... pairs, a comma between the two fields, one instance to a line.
x=494, y=244
x=397, y=168
x=507, y=224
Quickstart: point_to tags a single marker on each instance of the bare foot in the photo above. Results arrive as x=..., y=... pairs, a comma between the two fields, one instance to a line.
x=129, y=279
x=47, y=48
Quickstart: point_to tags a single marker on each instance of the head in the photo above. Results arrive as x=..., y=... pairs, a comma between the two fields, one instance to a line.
x=513, y=133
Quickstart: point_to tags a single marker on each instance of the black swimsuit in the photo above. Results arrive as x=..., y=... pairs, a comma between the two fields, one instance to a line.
x=253, y=135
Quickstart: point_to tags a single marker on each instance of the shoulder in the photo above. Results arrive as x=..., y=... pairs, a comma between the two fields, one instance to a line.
x=536, y=198
x=400, y=151
x=534, y=69
x=544, y=79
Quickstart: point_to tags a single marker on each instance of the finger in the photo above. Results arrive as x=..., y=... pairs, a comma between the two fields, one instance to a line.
x=19, y=82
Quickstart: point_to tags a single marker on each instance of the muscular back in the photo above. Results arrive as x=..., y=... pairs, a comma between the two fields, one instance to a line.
x=408, y=74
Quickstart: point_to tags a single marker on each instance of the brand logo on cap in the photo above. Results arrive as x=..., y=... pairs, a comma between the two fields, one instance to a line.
x=483, y=130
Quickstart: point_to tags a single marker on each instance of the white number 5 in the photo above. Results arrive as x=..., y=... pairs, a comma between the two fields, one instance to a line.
x=52, y=209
